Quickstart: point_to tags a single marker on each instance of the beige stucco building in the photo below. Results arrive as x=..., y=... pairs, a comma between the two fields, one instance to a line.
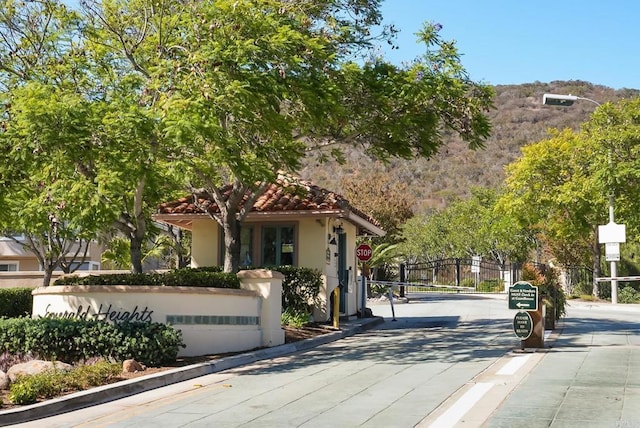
x=294, y=222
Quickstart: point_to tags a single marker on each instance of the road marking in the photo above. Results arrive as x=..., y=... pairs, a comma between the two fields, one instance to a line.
x=462, y=406
x=514, y=365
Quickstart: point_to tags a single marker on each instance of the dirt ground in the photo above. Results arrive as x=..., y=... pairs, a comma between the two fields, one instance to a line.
x=291, y=335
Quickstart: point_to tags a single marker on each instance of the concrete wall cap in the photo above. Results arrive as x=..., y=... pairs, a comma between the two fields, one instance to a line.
x=78, y=289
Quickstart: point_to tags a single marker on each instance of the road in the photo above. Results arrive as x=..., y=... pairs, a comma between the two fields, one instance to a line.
x=447, y=360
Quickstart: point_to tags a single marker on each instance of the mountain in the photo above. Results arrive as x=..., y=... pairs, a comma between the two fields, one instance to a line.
x=519, y=118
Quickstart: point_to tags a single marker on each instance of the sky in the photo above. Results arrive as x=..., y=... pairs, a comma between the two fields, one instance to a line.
x=523, y=41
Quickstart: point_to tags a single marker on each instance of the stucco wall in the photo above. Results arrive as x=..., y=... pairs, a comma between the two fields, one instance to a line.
x=205, y=247
x=212, y=320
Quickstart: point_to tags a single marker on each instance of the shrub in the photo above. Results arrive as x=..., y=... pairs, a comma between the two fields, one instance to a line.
x=300, y=288
x=583, y=288
x=295, y=319
x=546, y=279
x=73, y=340
x=491, y=286
x=49, y=384
x=188, y=277
x=15, y=302
x=629, y=295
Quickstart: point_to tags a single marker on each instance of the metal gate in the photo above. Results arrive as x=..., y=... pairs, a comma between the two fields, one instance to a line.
x=458, y=276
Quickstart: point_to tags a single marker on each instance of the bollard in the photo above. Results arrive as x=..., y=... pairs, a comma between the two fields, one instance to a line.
x=336, y=307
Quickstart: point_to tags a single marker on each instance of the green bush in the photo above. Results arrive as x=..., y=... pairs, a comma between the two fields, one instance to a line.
x=629, y=295
x=187, y=277
x=16, y=302
x=491, y=286
x=295, y=319
x=73, y=340
x=300, y=288
x=583, y=288
x=52, y=383
x=468, y=282
x=546, y=279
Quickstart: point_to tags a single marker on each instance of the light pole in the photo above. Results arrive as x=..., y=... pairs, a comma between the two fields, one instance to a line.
x=617, y=231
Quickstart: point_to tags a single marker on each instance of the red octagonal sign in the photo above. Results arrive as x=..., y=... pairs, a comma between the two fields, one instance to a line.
x=364, y=252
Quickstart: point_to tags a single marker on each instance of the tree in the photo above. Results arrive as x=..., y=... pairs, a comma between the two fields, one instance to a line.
x=373, y=192
x=44, y=197
x=466, y=228
x=553, y=191
x=231, y=92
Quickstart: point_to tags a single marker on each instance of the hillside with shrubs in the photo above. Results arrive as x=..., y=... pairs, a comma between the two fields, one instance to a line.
x=518, y=118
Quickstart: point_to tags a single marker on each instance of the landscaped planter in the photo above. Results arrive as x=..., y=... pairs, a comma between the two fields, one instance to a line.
x=212, y=320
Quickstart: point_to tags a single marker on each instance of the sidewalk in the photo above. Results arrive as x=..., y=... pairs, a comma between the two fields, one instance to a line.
x=130, y=387
x=589, y=378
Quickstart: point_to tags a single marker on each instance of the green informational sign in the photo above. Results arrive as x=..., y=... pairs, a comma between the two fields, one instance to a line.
x=523, y=325
x=523, y=297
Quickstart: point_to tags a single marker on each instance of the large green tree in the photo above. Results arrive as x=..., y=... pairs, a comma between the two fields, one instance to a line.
x=249, y=88
x=231, y=92
x=468, y=227
x=560, y=187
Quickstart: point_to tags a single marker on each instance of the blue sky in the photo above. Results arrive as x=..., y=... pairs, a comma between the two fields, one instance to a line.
x=523, y=41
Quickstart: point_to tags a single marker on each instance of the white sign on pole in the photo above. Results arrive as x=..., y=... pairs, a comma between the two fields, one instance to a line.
x=612, y=232
x=612, y=251
x=475, y=264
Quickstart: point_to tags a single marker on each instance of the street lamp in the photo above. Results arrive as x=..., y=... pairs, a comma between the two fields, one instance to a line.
x=611, y=233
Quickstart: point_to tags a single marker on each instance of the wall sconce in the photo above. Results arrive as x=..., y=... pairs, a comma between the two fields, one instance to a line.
x=338, y=227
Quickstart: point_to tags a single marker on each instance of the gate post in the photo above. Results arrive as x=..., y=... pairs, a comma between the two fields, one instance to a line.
x=402, y=278
x=457, y=272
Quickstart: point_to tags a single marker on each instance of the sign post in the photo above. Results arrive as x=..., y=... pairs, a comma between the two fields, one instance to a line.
x=363, y=254
x=528, y=324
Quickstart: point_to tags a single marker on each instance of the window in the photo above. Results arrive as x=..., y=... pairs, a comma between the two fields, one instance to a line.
x=278, y=245
x=246, y=246
x=8, y=266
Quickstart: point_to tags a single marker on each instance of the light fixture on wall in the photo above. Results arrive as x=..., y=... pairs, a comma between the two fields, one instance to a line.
x=338, y=227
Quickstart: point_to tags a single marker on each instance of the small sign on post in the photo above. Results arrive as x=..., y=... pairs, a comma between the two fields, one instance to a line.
x=523, y=325
x=523, y=296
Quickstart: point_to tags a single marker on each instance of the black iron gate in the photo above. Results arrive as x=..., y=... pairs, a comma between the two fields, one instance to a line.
x=459, y=275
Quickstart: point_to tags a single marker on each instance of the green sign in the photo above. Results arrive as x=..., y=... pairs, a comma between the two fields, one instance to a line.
x=523, y=297
x=523, y=325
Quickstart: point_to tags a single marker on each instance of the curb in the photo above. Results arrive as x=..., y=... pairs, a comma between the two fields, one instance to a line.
x=116, y=391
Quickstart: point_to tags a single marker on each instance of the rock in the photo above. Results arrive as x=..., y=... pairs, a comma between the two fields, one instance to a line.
x=4, y=380
x=34, y=367
x=132, y=366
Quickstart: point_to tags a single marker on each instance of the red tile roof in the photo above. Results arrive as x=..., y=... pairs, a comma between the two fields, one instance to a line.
x=286, y=194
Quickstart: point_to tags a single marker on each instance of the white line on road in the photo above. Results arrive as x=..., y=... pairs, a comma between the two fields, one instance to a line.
x=462, y=406
x=514, y=365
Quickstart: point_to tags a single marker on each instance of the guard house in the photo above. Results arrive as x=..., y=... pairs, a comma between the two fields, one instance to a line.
x=294, y=222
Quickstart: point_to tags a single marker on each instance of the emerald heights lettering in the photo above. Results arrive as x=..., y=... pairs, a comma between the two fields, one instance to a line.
x=104, y=313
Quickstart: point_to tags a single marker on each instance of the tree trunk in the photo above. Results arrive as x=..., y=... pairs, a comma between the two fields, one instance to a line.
x=136, y=253
x=231, y=228
x=596, y=263
x=139, y=227
x=46, y=279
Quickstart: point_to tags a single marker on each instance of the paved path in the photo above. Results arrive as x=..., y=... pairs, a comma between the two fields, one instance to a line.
x=448, y=361
x=590, y=378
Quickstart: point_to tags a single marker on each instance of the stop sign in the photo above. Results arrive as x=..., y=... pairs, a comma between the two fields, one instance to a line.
x=364, y=252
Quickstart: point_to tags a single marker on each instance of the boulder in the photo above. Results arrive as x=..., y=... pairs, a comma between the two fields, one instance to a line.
x=132, y=366
x=34, y=367
x=4, y=380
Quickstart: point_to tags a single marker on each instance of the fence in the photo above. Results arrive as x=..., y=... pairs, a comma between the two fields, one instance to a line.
x=458, y=275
